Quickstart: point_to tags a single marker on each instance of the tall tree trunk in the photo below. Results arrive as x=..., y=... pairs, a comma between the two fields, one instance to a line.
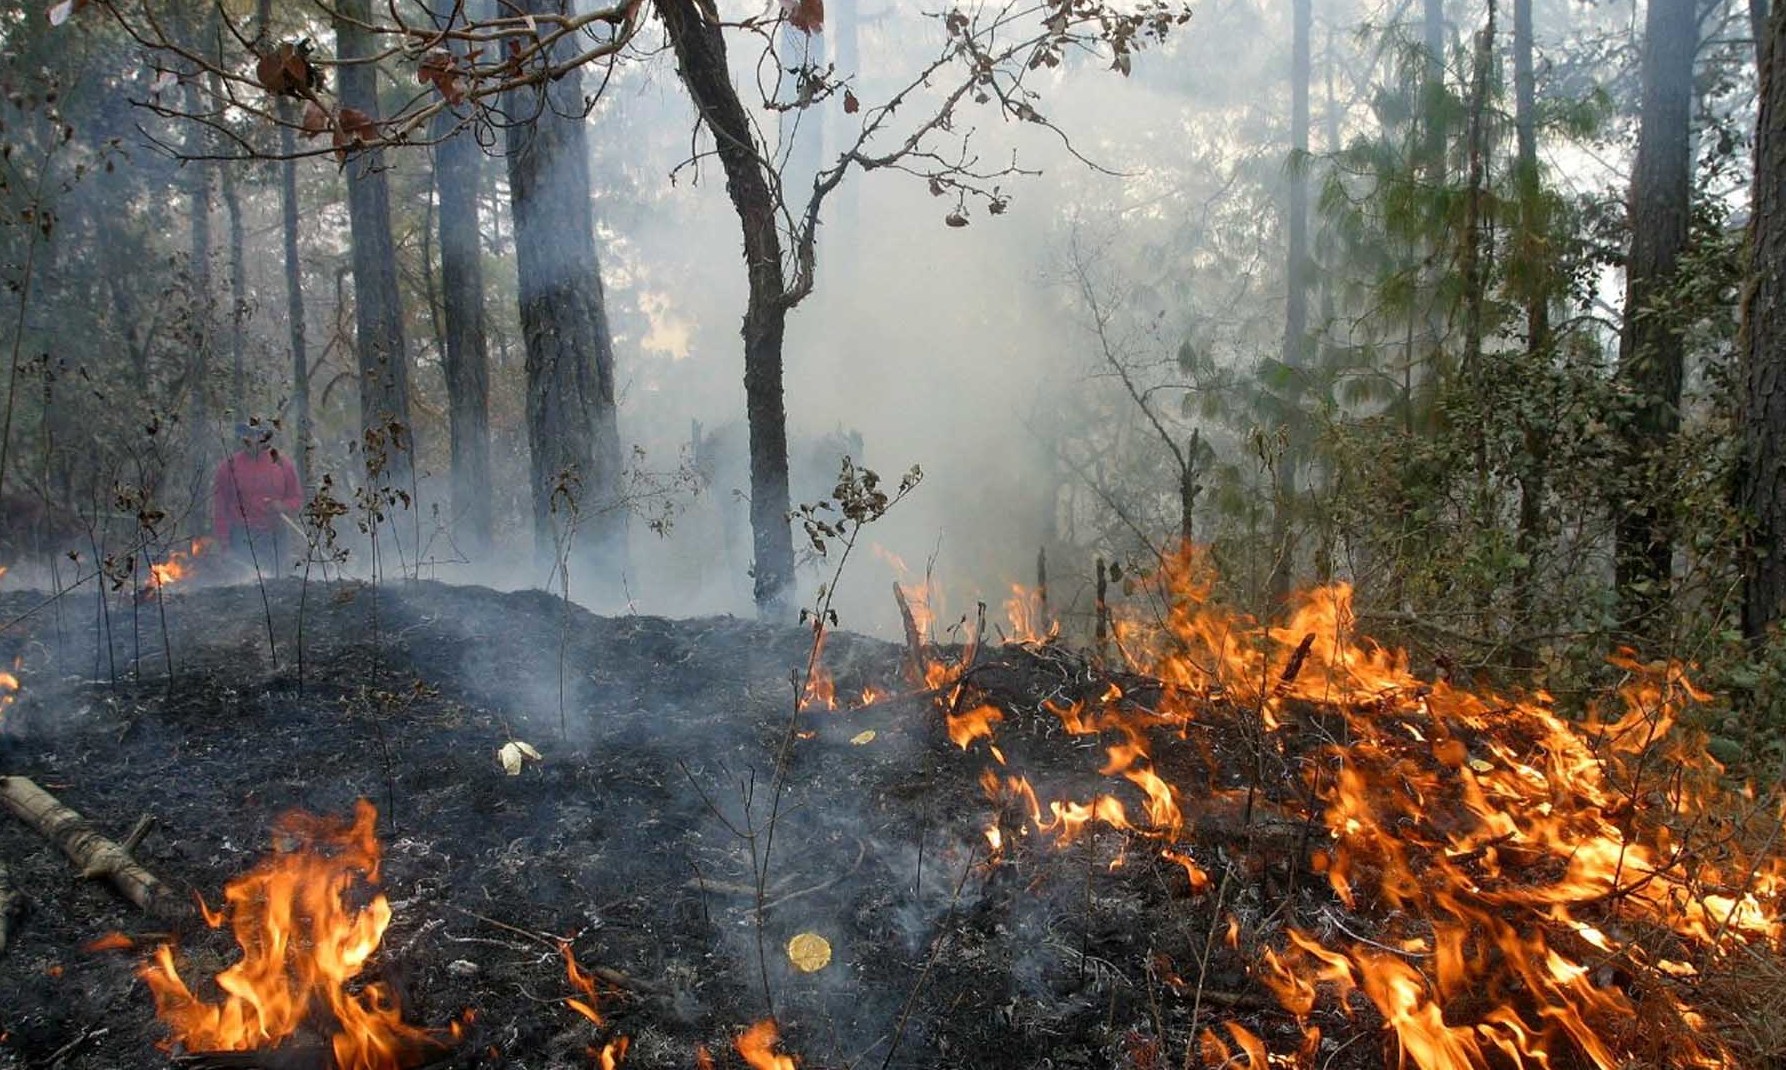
x=1473, y=264
x=198, y=426
x=238, y=273
x=294, y=297
x=1762, y=487
x=572, y=428
x=294, y=276
x=238, y=295
x=1295, y=342
x=1758, y=27
x=1533, y=261
x=378, y=312
x=701, y=55
x=1432, y=90
x=1651, y=347
x=458, y=160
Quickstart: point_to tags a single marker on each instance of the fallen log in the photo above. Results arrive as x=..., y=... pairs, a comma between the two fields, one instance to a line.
x=10, y=901
x=96, y=855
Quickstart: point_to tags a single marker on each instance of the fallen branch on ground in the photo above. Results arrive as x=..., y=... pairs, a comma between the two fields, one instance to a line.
x=96, y=855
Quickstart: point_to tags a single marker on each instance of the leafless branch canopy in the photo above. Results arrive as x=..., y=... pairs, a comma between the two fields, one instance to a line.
x=229, y=76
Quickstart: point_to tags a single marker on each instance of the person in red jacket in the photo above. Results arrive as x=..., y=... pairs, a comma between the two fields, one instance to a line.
x=253, y=489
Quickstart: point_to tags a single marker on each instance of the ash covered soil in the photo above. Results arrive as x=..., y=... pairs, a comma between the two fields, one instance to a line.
x=631, y=838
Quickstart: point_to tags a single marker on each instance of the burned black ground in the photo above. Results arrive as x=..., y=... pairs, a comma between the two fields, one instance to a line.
x=630, y=838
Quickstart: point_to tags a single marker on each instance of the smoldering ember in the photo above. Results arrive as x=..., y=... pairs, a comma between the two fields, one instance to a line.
x=1071, y=533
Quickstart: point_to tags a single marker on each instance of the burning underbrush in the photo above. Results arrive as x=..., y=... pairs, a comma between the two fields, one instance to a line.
x=545, y=839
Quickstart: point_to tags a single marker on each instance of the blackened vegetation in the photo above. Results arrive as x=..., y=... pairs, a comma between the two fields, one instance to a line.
x=619, y=839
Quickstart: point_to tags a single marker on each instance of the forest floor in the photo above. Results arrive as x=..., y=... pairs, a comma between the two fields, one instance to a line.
x=632, y=838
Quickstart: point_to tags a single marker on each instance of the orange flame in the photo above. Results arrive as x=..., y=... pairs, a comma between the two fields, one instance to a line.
x=820, y=692
x=757, y=1046
x=177, y=567
x=1485, y=835
x=583, y=983
x=1024, y=612
x=9, y=688
x=969, y=725
x=303, y=950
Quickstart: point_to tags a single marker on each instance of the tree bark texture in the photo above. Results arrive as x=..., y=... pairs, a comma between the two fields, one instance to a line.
x=1432, y=32
x=457, y=161
x=1651, y=346
x=1758, y=26
x=98, y=857
x=294, y=298
x=1474, y=266
x=701, y=55
x=1762, y=485
x=238, y=282
x=1295, y=344
x=1531, y=267
x=198, y=382
x=378, y=309
x=572, y=428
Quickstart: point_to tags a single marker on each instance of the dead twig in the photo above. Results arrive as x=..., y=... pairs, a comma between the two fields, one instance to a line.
x=936, y=948
x=861, y=853
x=10, y=902
x=914, y=643
x=604, y=974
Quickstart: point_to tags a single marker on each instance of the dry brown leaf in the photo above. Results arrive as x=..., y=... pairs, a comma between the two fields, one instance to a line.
x=444, y=71
x=286, y=71
x=316, y=120
x=353, y=127
x=807, y=16
x=850, y=104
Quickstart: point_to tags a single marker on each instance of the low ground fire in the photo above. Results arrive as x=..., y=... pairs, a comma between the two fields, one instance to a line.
x=304, y=949
x=1221, y=844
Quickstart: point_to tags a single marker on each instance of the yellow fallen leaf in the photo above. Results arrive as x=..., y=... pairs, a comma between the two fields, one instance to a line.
x=513, y=754
x=809, y=952
x=863, y=737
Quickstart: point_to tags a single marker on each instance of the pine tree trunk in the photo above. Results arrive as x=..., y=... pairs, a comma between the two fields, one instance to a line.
x=388, y=434
x=572, y=428
x=1432, y=31
x=1295, y=343
x=198, y=427
x=294, y=276
x=701, y=55
x=1473, y=264
x=1762, y=487
x=238, y=280
x=1534, y=259
x=1758, y=27
x=1651, y=347
x=294, y=297
x=457, y=162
